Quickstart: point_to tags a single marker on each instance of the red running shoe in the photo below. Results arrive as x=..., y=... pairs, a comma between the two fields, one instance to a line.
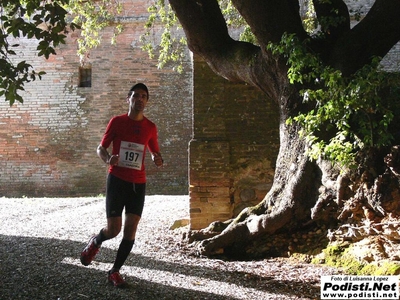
x=116, y=279
x=90, y=251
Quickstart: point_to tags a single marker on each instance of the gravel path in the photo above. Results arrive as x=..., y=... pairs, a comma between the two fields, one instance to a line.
x=41, y=240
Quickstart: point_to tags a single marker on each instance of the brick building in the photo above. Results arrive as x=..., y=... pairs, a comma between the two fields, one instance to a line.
x=219, y=139
x=48, y=144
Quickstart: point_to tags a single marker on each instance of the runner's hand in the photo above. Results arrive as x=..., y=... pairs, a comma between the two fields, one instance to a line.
x=113, y=161
x=157, y=158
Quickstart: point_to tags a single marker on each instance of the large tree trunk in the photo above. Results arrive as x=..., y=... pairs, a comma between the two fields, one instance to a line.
x=359, y=204
x=288, y=203
x=302, y=189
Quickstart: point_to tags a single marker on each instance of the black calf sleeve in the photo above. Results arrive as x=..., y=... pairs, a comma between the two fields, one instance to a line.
x=123, y=252
x=101, y=238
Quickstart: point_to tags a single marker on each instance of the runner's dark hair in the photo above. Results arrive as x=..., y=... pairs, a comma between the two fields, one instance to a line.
x=141, y=86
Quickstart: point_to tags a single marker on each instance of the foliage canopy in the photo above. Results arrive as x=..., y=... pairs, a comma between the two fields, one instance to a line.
x=355, y=111
x=48, y=22
x=45, y=22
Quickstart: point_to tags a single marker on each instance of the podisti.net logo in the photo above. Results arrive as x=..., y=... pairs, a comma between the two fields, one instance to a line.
x=359, y=287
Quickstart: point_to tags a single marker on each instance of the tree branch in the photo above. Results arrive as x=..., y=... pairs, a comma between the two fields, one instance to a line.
x=204, y=25
x=208, y=36
x=269, y=20
x=334, y=18
x=375, y=35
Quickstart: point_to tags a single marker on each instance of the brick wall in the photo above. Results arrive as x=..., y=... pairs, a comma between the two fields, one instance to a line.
x=234, y=147
x=48, y=144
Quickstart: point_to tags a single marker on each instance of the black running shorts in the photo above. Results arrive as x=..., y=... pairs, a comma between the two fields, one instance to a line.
x=122, y=194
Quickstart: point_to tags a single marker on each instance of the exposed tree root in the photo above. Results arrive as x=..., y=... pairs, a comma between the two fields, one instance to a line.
x=352, y=206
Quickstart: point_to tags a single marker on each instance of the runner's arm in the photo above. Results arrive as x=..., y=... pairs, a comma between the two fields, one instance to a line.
x=106, y=157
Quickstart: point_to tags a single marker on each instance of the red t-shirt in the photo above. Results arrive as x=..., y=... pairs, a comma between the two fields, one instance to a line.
x=130, y=140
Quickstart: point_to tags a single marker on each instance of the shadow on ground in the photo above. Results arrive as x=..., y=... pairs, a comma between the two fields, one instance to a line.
x=32, y=268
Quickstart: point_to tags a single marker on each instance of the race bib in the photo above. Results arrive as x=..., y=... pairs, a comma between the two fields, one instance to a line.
x=131, y=155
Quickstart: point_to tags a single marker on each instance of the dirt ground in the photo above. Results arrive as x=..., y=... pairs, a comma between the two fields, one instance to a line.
x=41, y=240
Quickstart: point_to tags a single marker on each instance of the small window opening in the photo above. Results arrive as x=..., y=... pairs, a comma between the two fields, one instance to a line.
x=85, y=76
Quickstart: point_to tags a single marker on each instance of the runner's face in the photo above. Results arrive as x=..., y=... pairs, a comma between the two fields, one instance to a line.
x=138, y=100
